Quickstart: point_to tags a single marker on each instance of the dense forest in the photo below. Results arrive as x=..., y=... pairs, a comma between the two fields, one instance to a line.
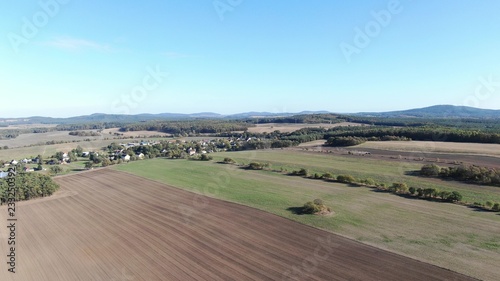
x=28, y=186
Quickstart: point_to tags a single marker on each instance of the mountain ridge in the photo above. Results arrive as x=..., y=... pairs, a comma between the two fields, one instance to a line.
x=435, y=111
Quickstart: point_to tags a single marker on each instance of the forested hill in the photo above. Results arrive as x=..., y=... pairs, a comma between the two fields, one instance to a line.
x=438, y=111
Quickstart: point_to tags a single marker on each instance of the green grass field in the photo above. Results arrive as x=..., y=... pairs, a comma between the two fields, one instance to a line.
x=386, y=172
x=448, y=235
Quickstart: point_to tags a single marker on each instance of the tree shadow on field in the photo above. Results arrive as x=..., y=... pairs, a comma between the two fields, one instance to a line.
x=480, y=209
x=415, y=173
x=296, y=210
x=78, y=170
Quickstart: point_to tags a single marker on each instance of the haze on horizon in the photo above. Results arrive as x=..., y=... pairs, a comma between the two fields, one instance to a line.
x=69, y=58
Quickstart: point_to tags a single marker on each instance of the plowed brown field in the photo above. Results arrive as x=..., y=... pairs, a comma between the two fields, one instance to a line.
x=109, y=225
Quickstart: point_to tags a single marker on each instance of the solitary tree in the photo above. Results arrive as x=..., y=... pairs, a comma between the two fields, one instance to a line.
x=56, y=170
x=89, y=165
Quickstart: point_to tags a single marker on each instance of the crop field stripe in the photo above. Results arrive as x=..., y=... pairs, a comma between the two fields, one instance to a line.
x=109, y=225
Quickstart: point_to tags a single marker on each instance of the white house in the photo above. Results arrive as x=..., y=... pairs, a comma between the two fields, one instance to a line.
x=140, y=155
x=126, y=157
x=85, y=154
x=14, y=162
x=191, y=151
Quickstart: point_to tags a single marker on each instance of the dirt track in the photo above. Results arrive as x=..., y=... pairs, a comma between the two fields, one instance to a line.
x=109, y=225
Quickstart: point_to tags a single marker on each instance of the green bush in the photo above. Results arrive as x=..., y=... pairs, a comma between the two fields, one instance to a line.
x=346, y=179
x=399, y=187
x=327, y=176
x=228, y=160
x=310, y=208
x=368, y=181
x=314, y=207
x=302, y=172
x=205, y=157
x=430, y=170
x=455, y=196
x=496, y=207
x=255, y=166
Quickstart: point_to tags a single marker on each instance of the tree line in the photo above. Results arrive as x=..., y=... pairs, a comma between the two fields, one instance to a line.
x=465, y=173
x=28, y=186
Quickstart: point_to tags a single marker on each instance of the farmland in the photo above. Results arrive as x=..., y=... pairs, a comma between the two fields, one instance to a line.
x=450, y=236
x=433, y=146
x=291, y=127
x=107, y=225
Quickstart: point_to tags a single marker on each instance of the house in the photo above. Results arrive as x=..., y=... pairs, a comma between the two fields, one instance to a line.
x=85, y=154
x=126, y=157
x=14, y=162
x=27, y=169
x=140, y=155
x=3, y=174
x=26, y=161
x=191, y=151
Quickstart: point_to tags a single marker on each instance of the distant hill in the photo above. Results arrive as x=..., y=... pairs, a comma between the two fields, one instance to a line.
x=110, y=118
x=438, y=111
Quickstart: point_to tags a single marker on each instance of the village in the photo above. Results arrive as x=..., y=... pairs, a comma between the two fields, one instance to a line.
x=118, y=153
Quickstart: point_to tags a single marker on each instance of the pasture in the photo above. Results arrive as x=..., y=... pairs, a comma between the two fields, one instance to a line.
x=108, y=225
x=447, y=235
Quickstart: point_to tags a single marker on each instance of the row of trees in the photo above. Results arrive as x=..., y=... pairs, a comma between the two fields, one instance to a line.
x=465, y=173
x=84, y=133
x=399, y=188
x=28, y=186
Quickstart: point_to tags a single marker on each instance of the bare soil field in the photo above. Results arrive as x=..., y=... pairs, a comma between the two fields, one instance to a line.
x=440, y=153
x=436, y=147
x=291, y=127
x=133, y=134
x=32, y=139
x=109, y=225
x=28, y=126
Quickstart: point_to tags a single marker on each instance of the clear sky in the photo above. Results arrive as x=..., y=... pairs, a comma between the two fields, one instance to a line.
x=68, y=57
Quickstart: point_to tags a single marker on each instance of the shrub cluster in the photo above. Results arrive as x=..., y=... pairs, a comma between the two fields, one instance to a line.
x=315, y=207
x=257, y=166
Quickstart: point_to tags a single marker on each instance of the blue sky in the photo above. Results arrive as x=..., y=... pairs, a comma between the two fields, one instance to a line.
x=68, y=57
